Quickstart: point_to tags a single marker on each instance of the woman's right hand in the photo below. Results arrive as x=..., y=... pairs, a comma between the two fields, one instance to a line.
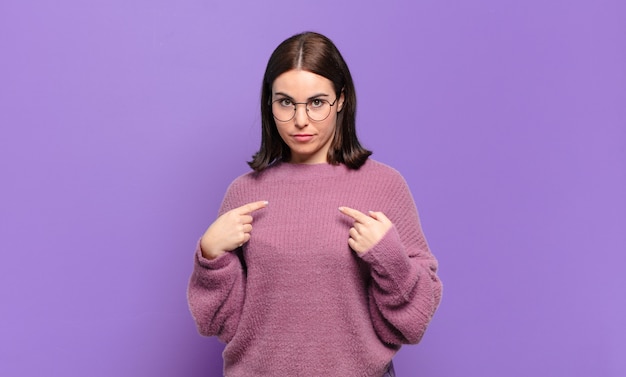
x=230, y=230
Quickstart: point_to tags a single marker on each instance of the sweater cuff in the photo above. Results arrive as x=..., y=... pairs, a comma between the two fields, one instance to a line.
x=388, y=257
x=214, y=264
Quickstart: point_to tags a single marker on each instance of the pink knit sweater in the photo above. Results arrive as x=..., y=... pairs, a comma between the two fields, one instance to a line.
x=296, y=300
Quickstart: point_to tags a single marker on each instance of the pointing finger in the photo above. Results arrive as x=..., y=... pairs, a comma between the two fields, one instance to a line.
x=251, y=207
x=356, y=215
x=379, y=216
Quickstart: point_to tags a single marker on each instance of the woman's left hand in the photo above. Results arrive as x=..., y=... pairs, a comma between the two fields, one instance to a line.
x=367, y=230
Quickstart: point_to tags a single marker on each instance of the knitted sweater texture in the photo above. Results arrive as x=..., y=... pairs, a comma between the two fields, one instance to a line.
x=296, y=300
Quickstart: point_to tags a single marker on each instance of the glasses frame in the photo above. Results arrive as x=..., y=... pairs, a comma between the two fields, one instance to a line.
x=306, y=107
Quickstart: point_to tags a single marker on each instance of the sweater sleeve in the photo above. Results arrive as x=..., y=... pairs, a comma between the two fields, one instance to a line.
x=216, y=293
x=216, y=289
x=405, y=290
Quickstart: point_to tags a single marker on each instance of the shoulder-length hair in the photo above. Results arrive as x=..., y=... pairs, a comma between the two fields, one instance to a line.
x=315, y=53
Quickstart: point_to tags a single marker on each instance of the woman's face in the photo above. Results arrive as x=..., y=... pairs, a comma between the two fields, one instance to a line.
x=308, y=140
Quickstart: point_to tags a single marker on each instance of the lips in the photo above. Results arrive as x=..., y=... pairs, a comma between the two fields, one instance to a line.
x=302, y=138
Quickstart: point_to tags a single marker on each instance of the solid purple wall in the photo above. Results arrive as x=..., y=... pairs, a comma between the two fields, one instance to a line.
x=123, y=122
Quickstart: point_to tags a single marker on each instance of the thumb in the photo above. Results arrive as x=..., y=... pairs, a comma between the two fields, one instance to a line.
x=379, y=216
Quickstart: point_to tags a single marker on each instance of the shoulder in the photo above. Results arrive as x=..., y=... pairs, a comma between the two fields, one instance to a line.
x=240, y=191
x=243, y=181
x=252, y=179
x=379, y=171
x=393, y=192
x=382, y=178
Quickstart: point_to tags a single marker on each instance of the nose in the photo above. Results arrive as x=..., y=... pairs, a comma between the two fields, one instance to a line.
x=301, y=117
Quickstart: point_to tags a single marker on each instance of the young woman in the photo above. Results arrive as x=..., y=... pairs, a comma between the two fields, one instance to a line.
x=336, y=274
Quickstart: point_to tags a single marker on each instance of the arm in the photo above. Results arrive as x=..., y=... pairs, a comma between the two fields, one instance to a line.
x=216, y=290
x=216, y=294
x=404, y=291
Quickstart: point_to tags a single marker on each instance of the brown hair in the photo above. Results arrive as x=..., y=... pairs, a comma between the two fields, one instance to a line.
x=315, y=53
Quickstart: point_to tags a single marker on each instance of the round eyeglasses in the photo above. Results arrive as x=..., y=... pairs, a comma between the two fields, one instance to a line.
x=317, y=109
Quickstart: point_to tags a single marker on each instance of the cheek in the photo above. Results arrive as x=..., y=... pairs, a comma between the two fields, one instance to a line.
x=330, y=125
x=282, y=132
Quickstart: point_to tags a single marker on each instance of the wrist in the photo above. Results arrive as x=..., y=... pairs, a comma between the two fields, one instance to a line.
x=210, y=253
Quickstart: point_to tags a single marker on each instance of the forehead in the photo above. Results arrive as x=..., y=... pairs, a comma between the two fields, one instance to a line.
x=297, y=82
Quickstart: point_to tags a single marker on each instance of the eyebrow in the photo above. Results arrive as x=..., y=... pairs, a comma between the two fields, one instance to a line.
x=308, y=99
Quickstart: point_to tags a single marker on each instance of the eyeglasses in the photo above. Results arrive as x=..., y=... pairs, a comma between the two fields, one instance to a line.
x=317, y=109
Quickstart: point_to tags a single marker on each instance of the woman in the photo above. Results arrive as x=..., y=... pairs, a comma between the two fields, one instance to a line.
x=313, y=291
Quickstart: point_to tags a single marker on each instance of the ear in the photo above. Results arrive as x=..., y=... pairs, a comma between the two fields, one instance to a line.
x=341, y=100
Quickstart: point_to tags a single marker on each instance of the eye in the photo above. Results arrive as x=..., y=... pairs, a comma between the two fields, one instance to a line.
x=317, y=102
x=285, y=102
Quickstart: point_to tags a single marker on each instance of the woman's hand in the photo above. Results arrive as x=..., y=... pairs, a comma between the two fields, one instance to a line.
x=366, y=231
x=229, y=231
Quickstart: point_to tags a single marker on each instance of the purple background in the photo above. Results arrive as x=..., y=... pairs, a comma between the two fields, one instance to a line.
x=123, y=122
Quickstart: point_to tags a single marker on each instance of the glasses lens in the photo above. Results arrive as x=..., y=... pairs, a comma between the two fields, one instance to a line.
x=318, y=109
x=283, y=110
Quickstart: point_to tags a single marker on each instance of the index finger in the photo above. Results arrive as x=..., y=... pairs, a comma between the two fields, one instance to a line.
x=251, y=207
x=355, y=214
